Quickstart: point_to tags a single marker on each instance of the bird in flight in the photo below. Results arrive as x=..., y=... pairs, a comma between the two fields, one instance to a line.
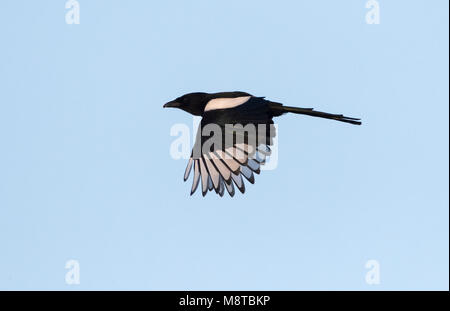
x=234, y=137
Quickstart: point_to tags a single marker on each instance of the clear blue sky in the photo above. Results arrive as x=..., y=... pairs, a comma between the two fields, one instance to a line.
x=85, y=170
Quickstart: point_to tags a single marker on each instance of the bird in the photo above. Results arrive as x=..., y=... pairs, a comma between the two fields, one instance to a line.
x=242, y=130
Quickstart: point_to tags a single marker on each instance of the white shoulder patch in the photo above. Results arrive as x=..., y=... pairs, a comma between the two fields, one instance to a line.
x=225, y=103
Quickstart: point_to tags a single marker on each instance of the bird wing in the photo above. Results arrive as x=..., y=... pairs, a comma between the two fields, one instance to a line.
x=231, y=144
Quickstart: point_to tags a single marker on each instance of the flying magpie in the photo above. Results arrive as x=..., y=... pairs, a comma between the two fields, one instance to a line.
x=234, y=136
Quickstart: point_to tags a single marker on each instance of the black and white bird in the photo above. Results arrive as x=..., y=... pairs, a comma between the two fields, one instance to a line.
x=246, y=132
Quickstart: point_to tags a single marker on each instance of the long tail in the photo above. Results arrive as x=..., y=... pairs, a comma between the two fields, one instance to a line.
x=313, y=113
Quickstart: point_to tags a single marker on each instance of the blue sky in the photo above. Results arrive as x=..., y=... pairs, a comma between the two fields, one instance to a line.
x=86, y=174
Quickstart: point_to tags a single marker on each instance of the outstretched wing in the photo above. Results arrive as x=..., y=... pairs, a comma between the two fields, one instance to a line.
x=232, y=143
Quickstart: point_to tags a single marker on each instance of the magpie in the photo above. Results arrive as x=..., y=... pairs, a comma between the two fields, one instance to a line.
x=243, y=130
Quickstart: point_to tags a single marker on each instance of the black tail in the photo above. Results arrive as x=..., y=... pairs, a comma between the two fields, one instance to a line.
x=313, y=113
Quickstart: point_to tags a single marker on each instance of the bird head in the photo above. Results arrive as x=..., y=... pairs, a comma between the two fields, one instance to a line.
x=193, y=103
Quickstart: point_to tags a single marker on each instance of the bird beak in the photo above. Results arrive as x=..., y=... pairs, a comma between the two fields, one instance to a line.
x=173, y=104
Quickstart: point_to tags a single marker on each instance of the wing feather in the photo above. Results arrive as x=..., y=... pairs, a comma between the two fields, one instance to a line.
x=212, y=171
x=248, y=174
x=196, y=176
x=237, y=179
x=253, y=165
x=220, y=166
x=230, y=189
x=232, y=164
x=204, y=175
x=237, y=154
x=221, y=187
x=188, y=169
